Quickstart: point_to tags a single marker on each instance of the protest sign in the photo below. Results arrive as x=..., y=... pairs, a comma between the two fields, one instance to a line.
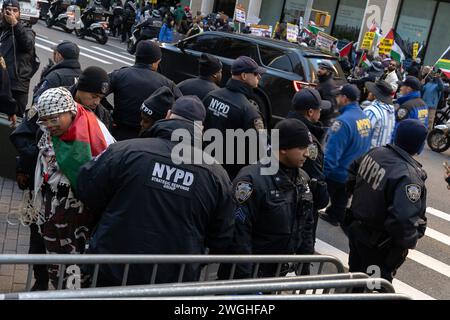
x=325, y=42
x=291, y=32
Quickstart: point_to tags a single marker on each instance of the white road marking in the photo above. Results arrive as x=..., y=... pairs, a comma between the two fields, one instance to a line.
x=400, y=287
x=436, y=235
x=81, y=53
x=429, y=262
x=113, y=53
x=106, y=56
x=438, y=213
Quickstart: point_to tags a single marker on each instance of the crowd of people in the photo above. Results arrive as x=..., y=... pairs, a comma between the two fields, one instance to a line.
x=106, y=179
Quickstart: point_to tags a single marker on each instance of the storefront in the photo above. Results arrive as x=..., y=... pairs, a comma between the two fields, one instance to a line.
x=424, y=21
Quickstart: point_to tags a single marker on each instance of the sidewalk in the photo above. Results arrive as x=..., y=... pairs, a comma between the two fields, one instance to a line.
x=13, y=238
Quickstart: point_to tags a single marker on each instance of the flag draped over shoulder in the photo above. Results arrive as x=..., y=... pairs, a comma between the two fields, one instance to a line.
x=444, y=63
x=86, y=138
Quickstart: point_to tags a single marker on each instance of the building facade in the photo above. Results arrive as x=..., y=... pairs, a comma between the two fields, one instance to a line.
x=422, y=21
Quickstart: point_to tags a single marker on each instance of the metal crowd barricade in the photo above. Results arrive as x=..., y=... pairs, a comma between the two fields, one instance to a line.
x=156, y=260
x=189, y=290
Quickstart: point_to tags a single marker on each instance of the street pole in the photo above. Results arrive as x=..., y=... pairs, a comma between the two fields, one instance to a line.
x=308, y=11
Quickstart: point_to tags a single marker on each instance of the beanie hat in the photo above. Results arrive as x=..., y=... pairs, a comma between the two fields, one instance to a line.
x=208, y=65
x=410, y=136
x=55, y=101
x=148, y=52
x=11, y=3
x=68, y=50
x=293, y=134
x=157, y=105
x=189, y=107
x=93, y=79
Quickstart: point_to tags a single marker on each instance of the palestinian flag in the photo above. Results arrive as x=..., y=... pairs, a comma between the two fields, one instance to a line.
x=86, y=138
x=398, y=48
x=313, y=28
x=444, y=63
x=365, y=63
x=345, y=51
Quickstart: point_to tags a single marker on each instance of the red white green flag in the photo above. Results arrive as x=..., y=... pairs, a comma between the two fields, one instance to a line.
x=444, y=63
x=396, y=52
x=86, y=138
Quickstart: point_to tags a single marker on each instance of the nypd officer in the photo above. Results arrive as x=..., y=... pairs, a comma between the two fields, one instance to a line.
x=411, y=106
x=389, y=202
x=229, y=107
x=307, y=106
x=156, y=202
x=274, y=212
x=155, y=108
x=348, y=139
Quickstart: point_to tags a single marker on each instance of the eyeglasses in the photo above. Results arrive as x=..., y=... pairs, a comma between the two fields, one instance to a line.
x=52, y=121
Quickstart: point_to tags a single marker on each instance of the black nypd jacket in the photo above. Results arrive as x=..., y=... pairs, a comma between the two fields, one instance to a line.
x=62, y=74
x=229, y=108
x=131, y=86
x=389, y=195
x=17, y=48
x=152, y=206
x=273, y=214
x=314, y=163
x=199, y=87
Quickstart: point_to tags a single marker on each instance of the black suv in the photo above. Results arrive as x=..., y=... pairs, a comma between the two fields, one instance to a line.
x=289, y=66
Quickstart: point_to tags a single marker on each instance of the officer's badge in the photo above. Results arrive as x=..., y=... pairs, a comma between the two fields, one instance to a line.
x=32, y=111
x=2, y=63
x=105, y=87
x=402, y=113
x=243, y=191
x=413, y=192
x=258, y=124
x=336, y=126
x=313, y=151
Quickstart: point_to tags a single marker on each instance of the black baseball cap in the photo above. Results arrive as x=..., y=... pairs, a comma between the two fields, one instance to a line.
x=244, y=64
x=411, y=82
x=309, y=98
x=68, y=50
x=349, y=90
x=326, y=65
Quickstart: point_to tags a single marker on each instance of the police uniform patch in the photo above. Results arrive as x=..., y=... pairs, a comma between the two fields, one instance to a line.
x=313, y=151
x=413, y=192
x=32, y=111
x=105, y=87
x=243, y=191
x=336, y=126
x=258, y=124
x=402, y=113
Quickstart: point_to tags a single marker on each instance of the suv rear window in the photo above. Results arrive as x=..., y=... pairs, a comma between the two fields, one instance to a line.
x=275, y=58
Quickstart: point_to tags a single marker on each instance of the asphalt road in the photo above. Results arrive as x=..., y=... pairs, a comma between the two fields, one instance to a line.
x=425, y=274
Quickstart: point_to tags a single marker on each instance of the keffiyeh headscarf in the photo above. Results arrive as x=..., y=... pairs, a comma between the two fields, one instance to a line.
x=55, y=101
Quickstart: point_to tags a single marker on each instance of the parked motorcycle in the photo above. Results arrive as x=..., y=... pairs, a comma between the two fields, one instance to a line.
x=443, y=114
x=439, y=138
x=57, y=15
x=151, y=27
x=97, y=29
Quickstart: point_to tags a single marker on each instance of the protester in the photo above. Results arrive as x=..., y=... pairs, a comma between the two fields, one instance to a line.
x=432, y=90
x=7, y=103
x=381, y=112
x=18, y=51
x=326, y=87
x=72, y=136
x=390, y=75
x=166, y=32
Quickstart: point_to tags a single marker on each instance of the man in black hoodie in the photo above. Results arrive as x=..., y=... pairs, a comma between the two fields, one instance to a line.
x=326, y=88
x=307, y=106
x=63, y=72
x=153, y=203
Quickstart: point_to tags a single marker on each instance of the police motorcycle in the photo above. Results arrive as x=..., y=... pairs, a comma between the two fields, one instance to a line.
x=152, y=22
x=57, y=15
x=439, y=138
x=94, y=18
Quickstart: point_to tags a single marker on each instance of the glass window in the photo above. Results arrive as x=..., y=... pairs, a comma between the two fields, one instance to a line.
x=414, y=22
x=314, y=63
x=275, y=58
x=440, y=37
x=293, y=9
x=204, y=43
x=349, y=19
x=233, y=48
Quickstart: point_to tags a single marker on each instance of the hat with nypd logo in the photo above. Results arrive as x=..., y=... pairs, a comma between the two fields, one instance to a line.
x=93, y=79
x=157, y=105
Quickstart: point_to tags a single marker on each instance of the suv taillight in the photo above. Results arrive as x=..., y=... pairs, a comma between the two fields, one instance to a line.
x=299, y=85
